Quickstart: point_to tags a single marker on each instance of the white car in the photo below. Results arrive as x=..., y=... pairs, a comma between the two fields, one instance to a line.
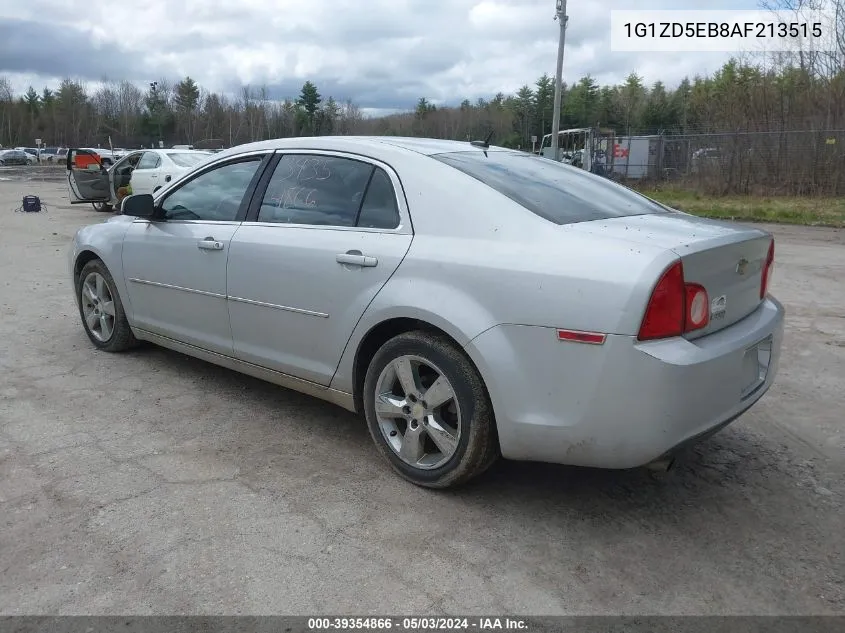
x=144, y=171
x=48, y=154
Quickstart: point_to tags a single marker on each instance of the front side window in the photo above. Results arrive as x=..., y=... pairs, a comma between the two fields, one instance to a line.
x=556, y=192
x=316, y=190
x=213, y=196
x=150, y=160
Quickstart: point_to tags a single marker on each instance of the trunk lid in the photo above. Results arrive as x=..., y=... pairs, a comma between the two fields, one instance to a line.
x=726, y=259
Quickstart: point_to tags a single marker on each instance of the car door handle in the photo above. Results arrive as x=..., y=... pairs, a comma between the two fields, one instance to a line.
x=210, y=244
x=356, y=258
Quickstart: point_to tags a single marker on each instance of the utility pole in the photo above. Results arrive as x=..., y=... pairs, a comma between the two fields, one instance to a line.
x=562, y=18
x=155, y=100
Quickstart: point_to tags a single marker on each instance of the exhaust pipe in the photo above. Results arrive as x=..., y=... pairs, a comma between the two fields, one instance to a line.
x=661, y=465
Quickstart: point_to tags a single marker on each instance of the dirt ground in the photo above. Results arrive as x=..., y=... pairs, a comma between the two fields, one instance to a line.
x=151, y=483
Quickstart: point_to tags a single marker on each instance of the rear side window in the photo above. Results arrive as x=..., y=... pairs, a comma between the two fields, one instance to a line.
x=316, y=190
x=556, y=192
x=379, y=209
x=150, y=160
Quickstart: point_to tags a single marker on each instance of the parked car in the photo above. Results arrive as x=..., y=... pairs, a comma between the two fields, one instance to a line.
x=470, y=301
x=33, y=154
x=48, y=154
x=107, y=156
x=9, y=157
x=144, y=171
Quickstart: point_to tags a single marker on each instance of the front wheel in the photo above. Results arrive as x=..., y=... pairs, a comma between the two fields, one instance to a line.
x=102, y=310
x=428, y=411
x=101, y=207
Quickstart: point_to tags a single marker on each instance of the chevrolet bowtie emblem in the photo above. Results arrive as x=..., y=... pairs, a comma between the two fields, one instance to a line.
x=742, y=266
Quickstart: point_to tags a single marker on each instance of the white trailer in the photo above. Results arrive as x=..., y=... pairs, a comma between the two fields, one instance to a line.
x=586, y=148
x=636, y=157
x=602, y=152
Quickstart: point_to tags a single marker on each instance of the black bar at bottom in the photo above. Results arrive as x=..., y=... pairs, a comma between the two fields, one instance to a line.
x=415, y=624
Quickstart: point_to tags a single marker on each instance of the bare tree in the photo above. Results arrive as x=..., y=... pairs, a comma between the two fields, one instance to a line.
x=130, y=102
x=6, y=110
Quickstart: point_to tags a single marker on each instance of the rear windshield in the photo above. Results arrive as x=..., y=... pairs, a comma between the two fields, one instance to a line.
x=186, y=160
x=556, y=192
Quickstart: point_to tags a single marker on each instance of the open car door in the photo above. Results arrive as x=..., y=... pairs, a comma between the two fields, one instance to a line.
x=87, y=179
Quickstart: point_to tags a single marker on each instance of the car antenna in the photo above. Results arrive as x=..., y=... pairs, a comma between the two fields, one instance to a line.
x=485, y=143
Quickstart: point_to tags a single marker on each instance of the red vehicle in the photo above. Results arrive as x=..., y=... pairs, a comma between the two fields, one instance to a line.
x=90, y=160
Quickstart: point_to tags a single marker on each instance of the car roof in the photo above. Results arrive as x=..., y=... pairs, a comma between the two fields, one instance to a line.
x=158, y=150
x=373, y=146
x=170, y=150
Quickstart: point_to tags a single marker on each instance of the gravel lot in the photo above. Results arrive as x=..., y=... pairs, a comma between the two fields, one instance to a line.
x=153, y=483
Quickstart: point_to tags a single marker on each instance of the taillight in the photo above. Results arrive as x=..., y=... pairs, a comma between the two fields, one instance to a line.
x=675, y=307
x=767, y=270
x=664, y=315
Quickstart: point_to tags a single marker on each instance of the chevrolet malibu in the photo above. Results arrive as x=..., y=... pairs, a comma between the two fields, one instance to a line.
x=470, y=301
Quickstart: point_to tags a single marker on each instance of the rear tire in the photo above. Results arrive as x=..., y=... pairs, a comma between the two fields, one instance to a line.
x=101, y=309
x=434, y=423
x=102, y=207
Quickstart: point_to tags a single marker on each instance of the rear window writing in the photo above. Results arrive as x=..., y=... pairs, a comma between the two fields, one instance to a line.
x=559, y=193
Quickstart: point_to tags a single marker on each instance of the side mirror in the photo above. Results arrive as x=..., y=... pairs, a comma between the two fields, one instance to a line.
x=139, y=205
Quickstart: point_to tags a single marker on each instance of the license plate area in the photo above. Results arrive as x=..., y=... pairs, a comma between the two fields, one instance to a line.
x=755, y=366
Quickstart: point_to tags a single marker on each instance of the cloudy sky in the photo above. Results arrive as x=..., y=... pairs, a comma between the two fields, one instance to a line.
x=383, y=54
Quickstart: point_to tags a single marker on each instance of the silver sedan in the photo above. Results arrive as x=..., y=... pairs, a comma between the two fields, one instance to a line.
x=470, y=301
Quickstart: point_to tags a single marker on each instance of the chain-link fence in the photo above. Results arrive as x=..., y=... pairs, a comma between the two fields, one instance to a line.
x=762, y=163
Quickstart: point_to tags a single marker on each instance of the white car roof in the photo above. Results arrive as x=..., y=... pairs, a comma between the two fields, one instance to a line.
x=378, y=147
x=170, y=150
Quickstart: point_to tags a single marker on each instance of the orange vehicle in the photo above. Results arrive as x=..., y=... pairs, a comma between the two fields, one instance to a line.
x=87, y=161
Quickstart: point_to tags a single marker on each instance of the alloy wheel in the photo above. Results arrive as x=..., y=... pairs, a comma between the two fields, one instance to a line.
x=418, y=412
x=97, y=306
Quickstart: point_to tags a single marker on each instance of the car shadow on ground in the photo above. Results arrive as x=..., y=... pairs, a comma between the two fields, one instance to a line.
x=724, y=469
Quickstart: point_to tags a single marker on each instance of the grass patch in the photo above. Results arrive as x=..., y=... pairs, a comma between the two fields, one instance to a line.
x=785, y=210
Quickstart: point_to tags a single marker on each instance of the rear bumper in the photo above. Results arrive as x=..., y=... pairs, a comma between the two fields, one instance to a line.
x=624, y=403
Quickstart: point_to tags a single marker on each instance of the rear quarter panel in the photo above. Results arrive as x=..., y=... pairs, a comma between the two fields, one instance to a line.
x=479, y=260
